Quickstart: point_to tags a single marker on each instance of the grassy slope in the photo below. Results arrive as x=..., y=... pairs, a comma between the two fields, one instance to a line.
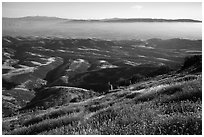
x=165, y=105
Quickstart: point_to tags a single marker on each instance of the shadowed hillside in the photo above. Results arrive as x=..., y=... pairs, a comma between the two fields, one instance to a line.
x=163, y=104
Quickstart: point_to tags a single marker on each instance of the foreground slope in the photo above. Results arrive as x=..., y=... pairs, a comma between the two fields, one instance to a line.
x=165, y=104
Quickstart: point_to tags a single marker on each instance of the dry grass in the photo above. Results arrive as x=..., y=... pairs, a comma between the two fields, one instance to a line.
x=45, y=125
x=175, y=109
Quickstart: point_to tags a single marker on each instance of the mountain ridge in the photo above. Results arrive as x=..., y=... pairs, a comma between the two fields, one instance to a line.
x=42, y=18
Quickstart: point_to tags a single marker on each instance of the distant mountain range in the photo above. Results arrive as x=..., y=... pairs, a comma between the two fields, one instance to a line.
x=45, y=18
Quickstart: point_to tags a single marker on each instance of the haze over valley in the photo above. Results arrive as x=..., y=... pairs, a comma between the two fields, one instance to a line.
x=109, y=29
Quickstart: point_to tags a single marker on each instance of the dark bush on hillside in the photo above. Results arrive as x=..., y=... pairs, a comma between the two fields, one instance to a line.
x=193, y=61
x=8, y=85
x=123, y=82
x=136, y=78
x=161, y=70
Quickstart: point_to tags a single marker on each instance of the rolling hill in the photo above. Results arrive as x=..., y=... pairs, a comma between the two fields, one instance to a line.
x=165, y=104
x=54, y=85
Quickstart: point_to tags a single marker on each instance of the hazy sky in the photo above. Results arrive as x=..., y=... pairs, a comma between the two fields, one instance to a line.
x=90, y=10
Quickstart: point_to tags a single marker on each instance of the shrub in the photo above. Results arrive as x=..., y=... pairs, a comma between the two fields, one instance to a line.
x=192, y=64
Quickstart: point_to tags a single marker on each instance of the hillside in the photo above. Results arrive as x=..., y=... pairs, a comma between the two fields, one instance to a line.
x=165, y=104
x=32, y=63
x=55, y=85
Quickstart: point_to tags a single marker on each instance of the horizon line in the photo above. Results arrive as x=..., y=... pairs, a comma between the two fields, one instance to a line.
x=103, y=18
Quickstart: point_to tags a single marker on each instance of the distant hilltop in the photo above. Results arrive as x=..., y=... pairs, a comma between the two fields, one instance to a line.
x=45, y=18
x=141, y=20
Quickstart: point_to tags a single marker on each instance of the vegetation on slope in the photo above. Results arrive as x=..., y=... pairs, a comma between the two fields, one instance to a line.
x=164, y=105
x=175, y=109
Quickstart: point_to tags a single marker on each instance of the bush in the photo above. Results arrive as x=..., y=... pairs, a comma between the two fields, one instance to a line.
x=195, y=60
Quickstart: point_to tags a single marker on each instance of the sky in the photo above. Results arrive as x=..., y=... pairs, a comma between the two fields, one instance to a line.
x=102, y=10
